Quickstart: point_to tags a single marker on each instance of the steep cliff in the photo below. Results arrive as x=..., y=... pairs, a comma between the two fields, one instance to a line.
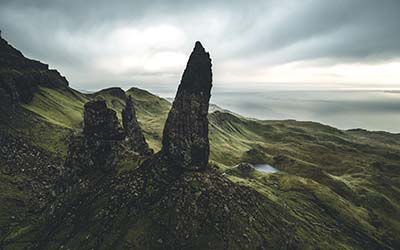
x=21, y=77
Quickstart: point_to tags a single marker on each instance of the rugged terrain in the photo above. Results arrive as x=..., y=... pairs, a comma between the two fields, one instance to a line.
x=76, y=172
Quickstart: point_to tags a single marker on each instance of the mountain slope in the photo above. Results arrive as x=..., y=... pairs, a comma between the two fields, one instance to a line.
x=335, y=189
x=353, y=174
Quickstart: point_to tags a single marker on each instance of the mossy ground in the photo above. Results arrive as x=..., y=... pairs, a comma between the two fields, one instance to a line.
x=339, y=189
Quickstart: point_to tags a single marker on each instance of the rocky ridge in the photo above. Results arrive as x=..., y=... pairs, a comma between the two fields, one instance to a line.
x=21, y=77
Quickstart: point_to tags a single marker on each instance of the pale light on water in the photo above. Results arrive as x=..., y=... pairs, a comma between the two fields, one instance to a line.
x=371, y=110
x=266, y=168
x=343, y=109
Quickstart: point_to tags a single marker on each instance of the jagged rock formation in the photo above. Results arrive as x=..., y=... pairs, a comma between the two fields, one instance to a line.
x=101, y=122
x=185, y=137
x=97, y=149
x=103, y=141
x=132, y=129
x=21, y=77
x=163, y=206
x=160, y=205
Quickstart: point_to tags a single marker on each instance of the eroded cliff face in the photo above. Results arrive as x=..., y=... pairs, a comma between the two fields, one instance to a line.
x=20, y=77
x=185, y=137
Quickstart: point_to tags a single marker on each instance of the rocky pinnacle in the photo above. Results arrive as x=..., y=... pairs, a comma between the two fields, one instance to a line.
x=185, y=137
x=97, y=149
x=132, y=129
x=100, y=121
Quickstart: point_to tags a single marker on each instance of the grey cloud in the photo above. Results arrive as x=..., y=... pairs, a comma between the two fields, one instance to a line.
x=253, y=33
x=356, y=29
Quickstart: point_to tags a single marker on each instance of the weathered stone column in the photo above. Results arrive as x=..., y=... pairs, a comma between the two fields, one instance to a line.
x=132, y=129
x=100, y=121
x=185, y=137
x=97, y=148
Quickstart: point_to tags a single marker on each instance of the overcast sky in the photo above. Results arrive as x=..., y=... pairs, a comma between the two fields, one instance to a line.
x=291, y=43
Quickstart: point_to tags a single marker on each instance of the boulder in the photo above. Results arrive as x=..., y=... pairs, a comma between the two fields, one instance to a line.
x=245, y=168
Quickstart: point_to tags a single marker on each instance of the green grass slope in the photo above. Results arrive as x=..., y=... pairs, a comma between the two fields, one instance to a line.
x=341, y=189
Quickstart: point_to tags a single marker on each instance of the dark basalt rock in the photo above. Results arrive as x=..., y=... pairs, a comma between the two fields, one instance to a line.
x=20, y=77
x=97, y=149
x=86, y=155
x=101, y=122
x=21, y=158
x=134, y=134
x=160, y=202
x=245, y=168
x=185, y=137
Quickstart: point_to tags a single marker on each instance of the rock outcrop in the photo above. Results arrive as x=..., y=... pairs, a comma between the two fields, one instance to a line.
x=161, y=204
x=97, y=149
x=134, y=134
x=245, y=168
x=185, y=136
x=101, y=122
x=20, y=77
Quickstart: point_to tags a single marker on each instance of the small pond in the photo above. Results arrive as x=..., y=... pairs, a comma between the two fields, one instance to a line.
x=266, y=168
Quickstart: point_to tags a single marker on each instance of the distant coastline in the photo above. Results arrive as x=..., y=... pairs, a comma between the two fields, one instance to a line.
x=392, y=91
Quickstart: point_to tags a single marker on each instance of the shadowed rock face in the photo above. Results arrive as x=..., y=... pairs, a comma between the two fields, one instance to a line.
x=101, y=121
x=185, y=137
x=97, y=149
x=20, y=77
x=132, y=129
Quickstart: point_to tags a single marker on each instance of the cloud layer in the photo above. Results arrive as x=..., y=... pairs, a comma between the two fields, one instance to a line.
x=99, y=43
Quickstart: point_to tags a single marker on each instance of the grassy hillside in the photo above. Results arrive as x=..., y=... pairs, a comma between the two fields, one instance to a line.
x=339, y=189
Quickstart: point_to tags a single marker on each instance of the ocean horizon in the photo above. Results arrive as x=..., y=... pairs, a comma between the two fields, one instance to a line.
x=375, y=110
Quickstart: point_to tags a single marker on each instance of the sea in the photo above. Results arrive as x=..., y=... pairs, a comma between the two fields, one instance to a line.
x=375, y=110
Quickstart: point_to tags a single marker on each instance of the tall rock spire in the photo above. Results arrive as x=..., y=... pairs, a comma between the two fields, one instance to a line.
x=132, y=129
x=185, y=137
